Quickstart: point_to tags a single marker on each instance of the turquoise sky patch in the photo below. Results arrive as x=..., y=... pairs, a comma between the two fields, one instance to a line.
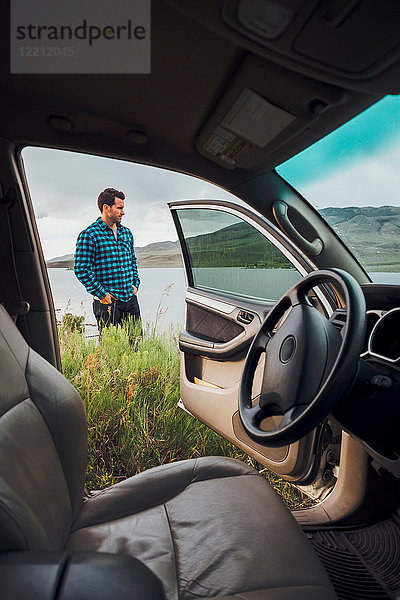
x=377, y=126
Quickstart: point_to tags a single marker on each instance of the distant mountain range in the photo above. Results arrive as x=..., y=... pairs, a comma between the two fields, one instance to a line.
x=371, y=233
x=156, y=255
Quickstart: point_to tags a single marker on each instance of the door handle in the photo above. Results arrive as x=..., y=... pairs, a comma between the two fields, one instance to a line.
x=245, y=317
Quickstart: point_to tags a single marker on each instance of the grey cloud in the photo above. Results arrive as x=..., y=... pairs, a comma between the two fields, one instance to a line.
x=67, y=183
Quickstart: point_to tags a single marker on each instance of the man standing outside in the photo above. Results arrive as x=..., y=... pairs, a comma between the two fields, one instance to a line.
x=105, y=262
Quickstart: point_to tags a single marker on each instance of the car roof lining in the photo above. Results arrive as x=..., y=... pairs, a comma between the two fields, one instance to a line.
x=174, y=104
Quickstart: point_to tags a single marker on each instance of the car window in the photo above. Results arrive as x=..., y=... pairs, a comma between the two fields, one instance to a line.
x=352, y=178
x=229, y=255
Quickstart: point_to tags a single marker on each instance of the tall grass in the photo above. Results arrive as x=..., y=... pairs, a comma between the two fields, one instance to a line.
x=130, y=387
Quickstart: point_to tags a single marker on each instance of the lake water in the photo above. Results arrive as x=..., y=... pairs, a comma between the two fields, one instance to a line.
x=161, y=297
x=393, y=278
x=162, y=292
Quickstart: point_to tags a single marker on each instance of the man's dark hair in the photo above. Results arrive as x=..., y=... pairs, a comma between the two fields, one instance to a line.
x=108, y=197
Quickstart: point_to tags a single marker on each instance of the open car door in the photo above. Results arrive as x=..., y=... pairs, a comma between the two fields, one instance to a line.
x=237, y=265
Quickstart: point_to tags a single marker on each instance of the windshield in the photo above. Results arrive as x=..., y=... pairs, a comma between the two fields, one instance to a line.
x=352, y=177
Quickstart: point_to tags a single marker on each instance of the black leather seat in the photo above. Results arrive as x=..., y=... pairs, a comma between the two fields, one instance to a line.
x=207, y=528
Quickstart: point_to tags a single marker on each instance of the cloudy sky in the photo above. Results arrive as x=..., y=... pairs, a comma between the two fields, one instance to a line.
x=64, y=187
x=359, y=165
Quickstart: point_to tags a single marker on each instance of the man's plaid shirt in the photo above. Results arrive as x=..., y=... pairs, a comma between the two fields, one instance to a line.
x=104, y=264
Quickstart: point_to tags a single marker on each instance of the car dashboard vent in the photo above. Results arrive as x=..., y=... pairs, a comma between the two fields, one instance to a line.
x=338, y=319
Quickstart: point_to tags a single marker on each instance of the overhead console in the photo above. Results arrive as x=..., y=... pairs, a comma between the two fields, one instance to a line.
x=350, y=43
x=354, y=38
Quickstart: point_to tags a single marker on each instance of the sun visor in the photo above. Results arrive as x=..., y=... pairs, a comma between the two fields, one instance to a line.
x=264, y=107
x=255, y=119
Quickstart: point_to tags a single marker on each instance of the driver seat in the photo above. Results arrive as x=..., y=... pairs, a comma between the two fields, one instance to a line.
x=210, y=527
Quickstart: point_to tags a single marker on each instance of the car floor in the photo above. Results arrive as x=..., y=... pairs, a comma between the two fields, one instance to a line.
x=362, y=563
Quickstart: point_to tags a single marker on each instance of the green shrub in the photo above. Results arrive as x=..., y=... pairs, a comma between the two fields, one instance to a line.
x=71, y=323
x=130, y=387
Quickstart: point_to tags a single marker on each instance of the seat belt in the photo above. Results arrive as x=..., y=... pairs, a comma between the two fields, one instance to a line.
x=10, y=292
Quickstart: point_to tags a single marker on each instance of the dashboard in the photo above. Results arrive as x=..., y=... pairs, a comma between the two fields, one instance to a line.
x=383, y=335
x=371, y=411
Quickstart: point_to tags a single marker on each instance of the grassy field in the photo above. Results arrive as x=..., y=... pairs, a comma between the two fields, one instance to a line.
x=130, y=386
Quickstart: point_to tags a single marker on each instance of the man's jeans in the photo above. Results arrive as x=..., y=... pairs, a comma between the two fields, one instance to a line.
x=116, y=312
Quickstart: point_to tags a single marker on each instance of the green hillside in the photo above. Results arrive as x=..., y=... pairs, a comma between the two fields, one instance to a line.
x=237, y=245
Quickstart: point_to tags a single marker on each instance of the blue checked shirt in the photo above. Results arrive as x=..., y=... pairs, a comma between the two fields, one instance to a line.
x=104, y=264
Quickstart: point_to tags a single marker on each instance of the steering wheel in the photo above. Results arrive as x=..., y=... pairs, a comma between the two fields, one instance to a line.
x=309, y=364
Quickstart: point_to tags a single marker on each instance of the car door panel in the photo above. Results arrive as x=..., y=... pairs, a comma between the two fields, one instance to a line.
x=209, y=390
x=220, y=326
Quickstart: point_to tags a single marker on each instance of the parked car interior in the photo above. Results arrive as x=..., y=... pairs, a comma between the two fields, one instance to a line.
x=308, y=385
